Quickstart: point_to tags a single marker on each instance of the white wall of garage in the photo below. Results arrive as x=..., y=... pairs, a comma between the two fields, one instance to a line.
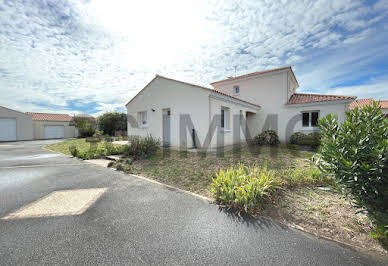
x=23, y=123
x=39, y=128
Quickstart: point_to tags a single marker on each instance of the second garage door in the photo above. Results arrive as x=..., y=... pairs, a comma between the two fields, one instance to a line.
x=7, y=129
x=54, y=132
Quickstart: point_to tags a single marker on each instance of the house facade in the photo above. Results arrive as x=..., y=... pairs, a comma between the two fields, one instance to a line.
x=233, y=110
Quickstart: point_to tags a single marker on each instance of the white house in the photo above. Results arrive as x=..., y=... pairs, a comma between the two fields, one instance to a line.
x=233, y=110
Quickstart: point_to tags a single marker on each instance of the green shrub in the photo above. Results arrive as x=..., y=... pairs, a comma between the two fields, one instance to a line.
x=268, y=137
x=381, y=233
x=110, y=148
x=73, y=150
x=296, y=137
x=356, y=154
x=243, y=187
x=313, y=139
x=142, y=147
x=111, y=122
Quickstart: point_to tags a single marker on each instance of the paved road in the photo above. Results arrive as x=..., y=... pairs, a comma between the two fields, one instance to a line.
x=137, y=222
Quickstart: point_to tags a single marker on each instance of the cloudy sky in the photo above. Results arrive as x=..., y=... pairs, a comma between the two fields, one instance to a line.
x=93, y=56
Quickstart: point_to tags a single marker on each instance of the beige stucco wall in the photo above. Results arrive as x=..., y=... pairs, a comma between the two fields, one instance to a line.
x=200, y=104
x=38, y=128
x=23, y=123
x=272, y=91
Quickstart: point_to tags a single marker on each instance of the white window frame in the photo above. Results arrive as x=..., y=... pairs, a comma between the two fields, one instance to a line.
x=310, y=127
x=141, y=117
x=226, y=127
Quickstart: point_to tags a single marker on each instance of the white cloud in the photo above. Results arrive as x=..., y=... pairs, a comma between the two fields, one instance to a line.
x=104, y=52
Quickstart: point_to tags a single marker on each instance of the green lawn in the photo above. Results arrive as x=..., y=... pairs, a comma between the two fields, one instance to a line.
x=63, y=147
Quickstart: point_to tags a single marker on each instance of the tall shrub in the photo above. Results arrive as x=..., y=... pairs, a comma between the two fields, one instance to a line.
x=356, y=154
x=109, y=123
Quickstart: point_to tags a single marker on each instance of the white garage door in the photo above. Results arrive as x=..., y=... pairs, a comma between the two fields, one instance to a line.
x=54, y=132
x=7, y=129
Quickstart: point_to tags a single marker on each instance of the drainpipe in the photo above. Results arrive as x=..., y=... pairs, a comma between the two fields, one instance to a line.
x=193, y=138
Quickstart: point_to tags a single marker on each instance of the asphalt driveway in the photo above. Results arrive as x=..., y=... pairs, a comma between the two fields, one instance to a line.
x=137, y=222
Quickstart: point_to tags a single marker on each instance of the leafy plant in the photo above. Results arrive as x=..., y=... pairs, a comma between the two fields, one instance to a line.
x=381, y=233
x=313, y=139
x=142, y=147
x=74, y=150
x=243, y=187
x=109, y=123
x=296, y=137
x=86, y=127
x=356, y=154
x=268, y=137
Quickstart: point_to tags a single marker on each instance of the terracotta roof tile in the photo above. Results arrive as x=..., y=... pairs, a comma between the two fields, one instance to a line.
x=255, y=74
x=50, y=117
x=360, y=103
x=299, y=98
x=384, y=104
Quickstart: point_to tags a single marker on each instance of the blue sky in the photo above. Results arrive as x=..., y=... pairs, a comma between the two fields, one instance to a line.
x=93, y=56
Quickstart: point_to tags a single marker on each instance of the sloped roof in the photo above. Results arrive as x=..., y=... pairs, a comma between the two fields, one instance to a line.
x=190, y=84
x=384, y=104
x=50, y=117
x=258, y=73
x=361, y=103
x=299, y=98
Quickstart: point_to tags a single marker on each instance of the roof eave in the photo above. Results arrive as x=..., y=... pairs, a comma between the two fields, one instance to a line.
x=319, y=103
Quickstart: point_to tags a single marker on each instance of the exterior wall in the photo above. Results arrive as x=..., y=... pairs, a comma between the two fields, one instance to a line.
x=23, y=123
x=38, y=127
x=272, y=92
x=268, y=91
x=290, y=113
x=182, y=99
x=229, y=136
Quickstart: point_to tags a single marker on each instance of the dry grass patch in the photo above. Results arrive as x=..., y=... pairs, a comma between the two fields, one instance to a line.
x=324, y=213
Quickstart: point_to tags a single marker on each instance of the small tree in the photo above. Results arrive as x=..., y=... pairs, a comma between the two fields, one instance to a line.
x=109, y=123
x=356, y=154
x=86, y=127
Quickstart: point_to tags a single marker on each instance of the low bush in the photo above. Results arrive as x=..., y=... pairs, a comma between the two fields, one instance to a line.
x=74, y=150
x=140, y=148
x=296, y=137
x=243, y=187
x=268, y=137
x=313, y=139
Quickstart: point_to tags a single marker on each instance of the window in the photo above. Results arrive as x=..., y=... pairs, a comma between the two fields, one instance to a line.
x=310, y=119
x=225, y=118
x=236, y=89
x=142, y=119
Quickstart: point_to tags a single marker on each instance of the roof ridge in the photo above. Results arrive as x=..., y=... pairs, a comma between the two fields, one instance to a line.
x=46, y=113
x=331, y=95
x=258, y=73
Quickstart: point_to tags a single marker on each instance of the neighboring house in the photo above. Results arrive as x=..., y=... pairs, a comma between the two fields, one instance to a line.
x=52, y=126
x=234, y=109
x=15, y=125
x=368, y=101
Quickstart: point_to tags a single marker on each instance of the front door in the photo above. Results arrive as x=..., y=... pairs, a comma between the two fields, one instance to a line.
x=166, y=127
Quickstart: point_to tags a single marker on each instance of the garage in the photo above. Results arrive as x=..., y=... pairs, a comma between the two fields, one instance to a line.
x=7, y=129
x=52, y=126
x=15, y=125
x=54, y=132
